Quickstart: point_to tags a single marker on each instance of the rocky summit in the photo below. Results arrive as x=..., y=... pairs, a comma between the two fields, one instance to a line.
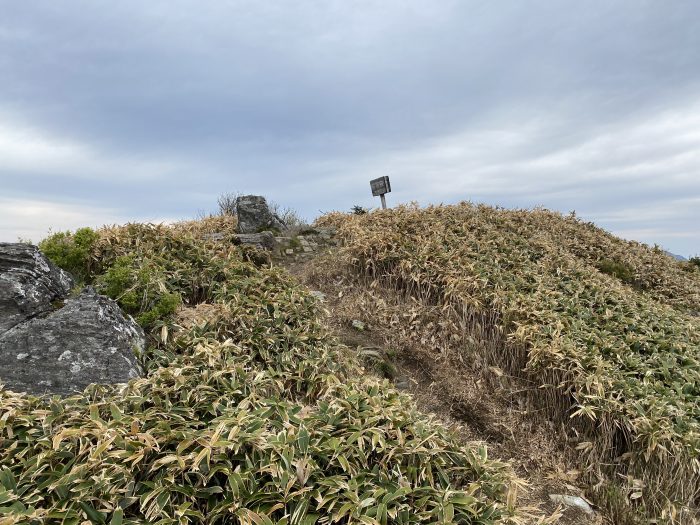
x=254, y=215
x=51, y=343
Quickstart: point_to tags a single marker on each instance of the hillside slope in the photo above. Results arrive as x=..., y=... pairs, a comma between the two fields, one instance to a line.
x=607, y=330
x=250, y=411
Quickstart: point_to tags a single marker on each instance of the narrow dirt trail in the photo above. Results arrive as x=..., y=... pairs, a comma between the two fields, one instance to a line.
x=443, y=386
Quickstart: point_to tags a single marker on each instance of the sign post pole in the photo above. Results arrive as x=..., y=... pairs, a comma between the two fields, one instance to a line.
x=380, y=187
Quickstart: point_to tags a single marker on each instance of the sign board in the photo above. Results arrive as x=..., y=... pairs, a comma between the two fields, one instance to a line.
x=380, y=186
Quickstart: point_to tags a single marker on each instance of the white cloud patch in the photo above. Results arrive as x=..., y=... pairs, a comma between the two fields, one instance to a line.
x=515, y=159
x=28, y=149
x=33, y=220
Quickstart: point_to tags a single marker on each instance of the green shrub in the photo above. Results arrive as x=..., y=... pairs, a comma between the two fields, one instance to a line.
x=72, y=252
x=617, y=269
x=165, y=305
x=118, y=283
x=695, y=261
x=139, y=287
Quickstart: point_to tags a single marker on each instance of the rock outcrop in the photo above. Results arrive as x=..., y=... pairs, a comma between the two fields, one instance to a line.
x=254, y=215
x=54, y=344
x=308, y=242
x=264, y=240
x=29, y=284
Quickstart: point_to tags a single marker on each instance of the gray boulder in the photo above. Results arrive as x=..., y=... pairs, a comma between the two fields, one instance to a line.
x=264, y=240
x=29, y=284
x=50, y=343
x=254, y=215
x=86, y=341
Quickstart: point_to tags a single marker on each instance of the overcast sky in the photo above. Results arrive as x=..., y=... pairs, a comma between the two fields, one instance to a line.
x=132, y=110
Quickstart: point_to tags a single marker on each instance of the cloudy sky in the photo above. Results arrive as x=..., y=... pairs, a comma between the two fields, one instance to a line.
x=131, y=110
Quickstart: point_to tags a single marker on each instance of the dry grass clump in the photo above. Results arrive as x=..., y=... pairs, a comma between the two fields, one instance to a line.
x=212, y=224
x=620, y=362
x=652, y=270
x=249, y=413
x=120, y=240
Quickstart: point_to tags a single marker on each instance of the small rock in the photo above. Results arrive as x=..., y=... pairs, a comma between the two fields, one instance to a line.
x=358, y=325
x=318, y=295
x=307, y=249
x=263, y=240
x=289, y=251
x=572, y=501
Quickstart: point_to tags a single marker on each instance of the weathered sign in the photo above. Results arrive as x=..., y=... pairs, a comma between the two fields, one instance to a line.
x=380, y=186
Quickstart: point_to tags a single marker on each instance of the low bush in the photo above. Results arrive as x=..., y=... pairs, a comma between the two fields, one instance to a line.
x=227, y=203
x=72, y=252
x=289, y=216
x=139, y=288
x=617, y=269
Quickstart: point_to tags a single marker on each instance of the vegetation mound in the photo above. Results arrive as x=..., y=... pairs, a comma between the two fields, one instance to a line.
x=606, y=330
x=249, y=413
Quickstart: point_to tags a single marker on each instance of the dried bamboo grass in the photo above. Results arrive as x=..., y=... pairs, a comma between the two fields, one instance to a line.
x=524, y=283
x=250, y=413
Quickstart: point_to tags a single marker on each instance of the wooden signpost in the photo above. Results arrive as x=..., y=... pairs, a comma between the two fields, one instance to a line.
x=380, y=186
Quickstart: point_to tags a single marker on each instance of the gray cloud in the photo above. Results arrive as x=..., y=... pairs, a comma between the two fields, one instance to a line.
x=149, y=110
